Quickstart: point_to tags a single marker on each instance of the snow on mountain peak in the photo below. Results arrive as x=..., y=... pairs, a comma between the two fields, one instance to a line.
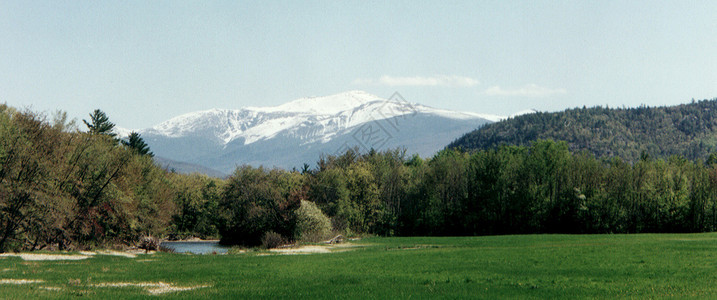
x=310, y=118
x=122, y=132
x=327, y=105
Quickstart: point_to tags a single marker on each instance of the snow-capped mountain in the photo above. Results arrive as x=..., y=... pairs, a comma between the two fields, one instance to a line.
x=299, y=131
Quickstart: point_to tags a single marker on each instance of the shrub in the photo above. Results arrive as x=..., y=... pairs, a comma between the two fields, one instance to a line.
x=311, y=223
x=272, y=240
x=166, y=249
x=149, y=243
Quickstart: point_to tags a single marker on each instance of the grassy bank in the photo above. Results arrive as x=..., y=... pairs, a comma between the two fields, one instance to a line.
x=535, y=266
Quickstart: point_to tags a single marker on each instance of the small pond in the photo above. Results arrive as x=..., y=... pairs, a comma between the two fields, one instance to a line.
x=201, y=247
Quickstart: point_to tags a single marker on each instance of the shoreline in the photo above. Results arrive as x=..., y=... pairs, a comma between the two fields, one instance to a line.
x=191, y=240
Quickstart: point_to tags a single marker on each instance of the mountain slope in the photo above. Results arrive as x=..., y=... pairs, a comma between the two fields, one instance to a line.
x=299, y=131
x=689, y=130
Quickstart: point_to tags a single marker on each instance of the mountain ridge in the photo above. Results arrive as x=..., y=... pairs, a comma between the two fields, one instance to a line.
x=255, y=123
x=297, y=132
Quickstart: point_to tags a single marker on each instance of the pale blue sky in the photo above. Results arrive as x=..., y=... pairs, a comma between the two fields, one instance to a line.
x=146, y=61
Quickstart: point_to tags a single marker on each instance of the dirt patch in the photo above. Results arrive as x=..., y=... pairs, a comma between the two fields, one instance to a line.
x=139, y=251
x=154, y=288
x=80, y=256
x=302, y=250
x=42, y=257
x=163, y=289
x=117, y=253
x=20, y=281
x=312, y=249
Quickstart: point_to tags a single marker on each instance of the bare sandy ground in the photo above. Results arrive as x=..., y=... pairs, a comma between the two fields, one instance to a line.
x=30, y=281
x=311, y=249
x=302, y=250
x=80, y=256
x=20, y=281
x=154, y=288
x=38, y=257
x=119, y=253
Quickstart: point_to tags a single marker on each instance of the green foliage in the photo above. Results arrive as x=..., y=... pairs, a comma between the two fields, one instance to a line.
x=687, y=130
x=543, y=188
x=197, y=199
x=272, y=240
x=61, y=123
x=256, y=201
x=311, y=224
x=27, y=148
x=100, y=124
x=72, y=190
x=137, y=144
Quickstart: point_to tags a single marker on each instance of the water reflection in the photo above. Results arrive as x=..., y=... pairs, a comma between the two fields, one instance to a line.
x=203, y=247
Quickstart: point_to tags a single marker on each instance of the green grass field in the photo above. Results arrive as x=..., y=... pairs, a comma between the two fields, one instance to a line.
x=533, y=266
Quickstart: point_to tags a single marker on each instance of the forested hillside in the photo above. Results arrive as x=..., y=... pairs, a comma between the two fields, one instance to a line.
x=688, y=130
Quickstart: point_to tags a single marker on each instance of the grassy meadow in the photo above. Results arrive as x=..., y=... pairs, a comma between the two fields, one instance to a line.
x=529, y=266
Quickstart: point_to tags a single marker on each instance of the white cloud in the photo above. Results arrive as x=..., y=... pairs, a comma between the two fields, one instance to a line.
x=439, y=80
x=530, y=90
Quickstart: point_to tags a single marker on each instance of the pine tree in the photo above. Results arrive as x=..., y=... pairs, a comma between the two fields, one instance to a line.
x=100, y=124
x=136, y=143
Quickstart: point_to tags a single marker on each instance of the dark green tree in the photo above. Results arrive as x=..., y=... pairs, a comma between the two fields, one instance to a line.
x=100, y=124
x=254, y=203
x=137, y=144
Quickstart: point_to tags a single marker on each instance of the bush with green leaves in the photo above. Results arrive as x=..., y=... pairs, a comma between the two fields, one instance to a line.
x=311, y=223
x=272, y=240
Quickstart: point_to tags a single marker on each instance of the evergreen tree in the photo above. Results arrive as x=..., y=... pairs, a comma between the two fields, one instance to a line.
x=136, y=143
x=100, y=124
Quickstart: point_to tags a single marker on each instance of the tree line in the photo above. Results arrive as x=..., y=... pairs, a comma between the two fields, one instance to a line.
x=541, y=188
x=63, y=188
